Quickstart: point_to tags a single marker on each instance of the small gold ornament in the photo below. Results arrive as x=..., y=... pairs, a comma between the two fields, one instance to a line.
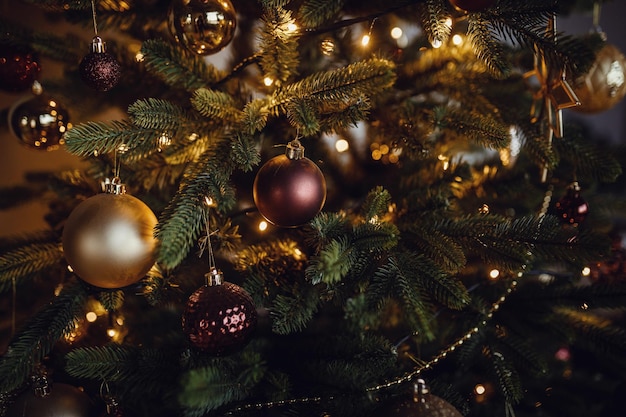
x=202, y=26
x=108, y=239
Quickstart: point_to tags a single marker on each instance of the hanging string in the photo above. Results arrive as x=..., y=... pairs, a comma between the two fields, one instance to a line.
x=14, y=300
x=207, y=219
x=93, y=13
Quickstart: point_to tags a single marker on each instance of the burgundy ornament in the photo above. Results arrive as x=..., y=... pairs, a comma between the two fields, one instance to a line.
x=19, y=68
x=220, y=317
x=572, y=208
x=289, y=190
x=99, y=69
x=421, y=404
x=472, y=5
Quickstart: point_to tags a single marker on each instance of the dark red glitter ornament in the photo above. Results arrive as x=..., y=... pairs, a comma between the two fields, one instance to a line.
x=220, y=317
x=572, y=208
x=19, y=68
x=289, y=190
x=99, y=69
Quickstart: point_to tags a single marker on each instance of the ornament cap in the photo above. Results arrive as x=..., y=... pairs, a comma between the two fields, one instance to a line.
x=114, y=186
x=420, y=389
x=295, y=150
x=214, y=277
x=98, y=46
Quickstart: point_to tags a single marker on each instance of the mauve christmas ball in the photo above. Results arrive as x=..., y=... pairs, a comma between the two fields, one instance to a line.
x=219, y=319
x=99, y=69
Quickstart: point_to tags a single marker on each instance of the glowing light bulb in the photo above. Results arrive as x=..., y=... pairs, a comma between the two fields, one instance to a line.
x=139, y=57
x=342, y=145
x=436, y=43
x=263, y=225
x=586, y=271
x=91, y=316
x=292, y=27
x=396, y=33
x=365, y=40
x=111, y=333
x=457, y=39
x=480, y=389
x=268, y=81
x=494, y=273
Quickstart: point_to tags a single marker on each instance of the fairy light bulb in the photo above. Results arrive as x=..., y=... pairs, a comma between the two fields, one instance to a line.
x=365, y=40
x=396, y=33
x=494, y=274
x=292, y=27
x=263, y=225
x=91, y=316
x=342, y=145
x=457, y=39
x=268, y=81
x=586, y=271
x=436, y=43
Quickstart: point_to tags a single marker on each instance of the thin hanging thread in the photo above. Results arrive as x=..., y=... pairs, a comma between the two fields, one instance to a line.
x=14, y=300
x=93, y=13
x=207, y=224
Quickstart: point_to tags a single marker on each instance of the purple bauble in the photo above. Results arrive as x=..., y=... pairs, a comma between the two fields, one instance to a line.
x=220, y=318
x=289, y=190
x=572, y=208
x=98, y=69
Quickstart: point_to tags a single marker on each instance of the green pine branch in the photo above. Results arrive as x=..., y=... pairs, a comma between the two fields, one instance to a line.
x=39, y=334
x=279, y=46
x=177, y=68
x=315, y=13
x=477, y=127
x=28, y=260
x=486, y=47
x=432, y=16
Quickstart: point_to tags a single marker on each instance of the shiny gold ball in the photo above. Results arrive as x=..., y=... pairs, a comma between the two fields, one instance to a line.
x=108, y=240
x=604, y=85
x=202, y=26
x=40, y=122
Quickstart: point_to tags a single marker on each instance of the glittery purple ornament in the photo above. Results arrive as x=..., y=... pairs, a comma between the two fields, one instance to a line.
x=99, y=69
x=572, y=208
x=220, y=317
x=289, y=190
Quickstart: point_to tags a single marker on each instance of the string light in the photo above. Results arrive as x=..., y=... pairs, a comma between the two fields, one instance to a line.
x=292, y=27
x=396, y=33
x=436, y=43
x=457, y=39
x=342, y=145
x=365, y=40
x=263, y=225
x=586, y=271
x=494, y=274
x=268, y=81
x=480, y=389
x=91, y=316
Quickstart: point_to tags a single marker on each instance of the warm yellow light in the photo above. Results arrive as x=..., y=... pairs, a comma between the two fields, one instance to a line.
x=396, y=33
x=436, y=43
x=111, y=333
x=263, y=225
x=376, y=155
x=449, y=22
x=292, y=27
x=479, y=389
x=494, y=273
x=139, y=57
x=342, y=145
x=586, y=271
x=268, y=81
x=457, y=39
x=91, y=316
x=208, y=200
x=365, y=40
x=120, y=321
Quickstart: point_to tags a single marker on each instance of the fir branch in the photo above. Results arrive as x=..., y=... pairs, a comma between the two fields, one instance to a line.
x=432, y=16
x=587, y=158
x=508, y=378
x=155, y=114
x=216, y=105
x=39, y=334
x=111, y=300
x=486, y=47
x=279, y=46
x=27, y=260
x=244, y=152
x=255, y=116
x=177, y=68
x=441, y=249
x=303, y=116
x=315, y=13
x=376, y=204
x=332, y=263
x=340, y=87
x=292, y=313
x=392, y=280
x=182, y=221
x=219, y=383
x=478, y=128
x=522, y=355
x=95, y=138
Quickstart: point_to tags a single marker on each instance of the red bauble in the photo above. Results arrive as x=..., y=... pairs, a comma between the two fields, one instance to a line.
x=62, y=401
x=19, y=68
x=289, y=190
x=472, y=5
x=98, y=69
x=220, y=318
x=572, y=208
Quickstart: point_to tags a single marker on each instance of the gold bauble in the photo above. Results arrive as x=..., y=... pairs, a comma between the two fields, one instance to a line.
x=62, y=401
x=604, y=85
x=202, y=26
x=108, y=240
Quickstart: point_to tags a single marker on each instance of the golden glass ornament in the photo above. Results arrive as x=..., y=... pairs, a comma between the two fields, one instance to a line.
x=604, y=85
x=202, y=26
x=39, y=121
x=108, y=239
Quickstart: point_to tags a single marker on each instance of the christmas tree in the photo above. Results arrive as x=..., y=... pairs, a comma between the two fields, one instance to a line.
x=314, y=208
